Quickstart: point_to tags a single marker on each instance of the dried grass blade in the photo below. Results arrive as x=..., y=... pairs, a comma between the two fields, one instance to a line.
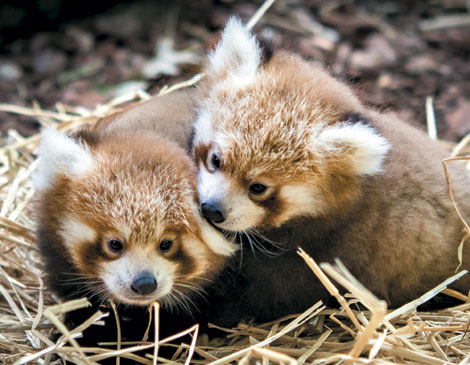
x=364, y=336
x=156, y=311
x=378, y=344
x=455, y=294
x=306, y=355
x=307, y=315
x=12, y=304
x=430, y=118
x=329, y=286
x=460, y=146
x=61, y=327
x=118, y=327
x=273, y=355
x=193, y=345
x=259, y=14
x=451, y=190
x=417, y=356
x=409, y=307
x=378, y=307
x=114, y=353
x=33, y=112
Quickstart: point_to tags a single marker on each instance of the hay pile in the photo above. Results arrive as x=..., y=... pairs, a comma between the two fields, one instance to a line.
x=29, y=314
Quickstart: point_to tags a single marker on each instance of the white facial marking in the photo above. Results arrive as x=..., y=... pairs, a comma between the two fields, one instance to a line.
x=367, y=148
x=240, y=212
x=211, y=185
x=59, y=154
x=196, y=248
x=237, y=52
x=118, y=275
x=203, y=127
x=301, y=201
x=74, y=231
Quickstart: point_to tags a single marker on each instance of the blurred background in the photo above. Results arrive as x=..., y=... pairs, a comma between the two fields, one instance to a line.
x=82, y=53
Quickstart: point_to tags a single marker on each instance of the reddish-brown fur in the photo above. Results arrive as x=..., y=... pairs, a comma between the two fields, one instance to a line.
x=141, y=190
x=280, y=150
x=394, y=226
x=170, y=116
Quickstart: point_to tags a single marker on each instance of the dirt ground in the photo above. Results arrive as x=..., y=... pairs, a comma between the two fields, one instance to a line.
x=397, y=53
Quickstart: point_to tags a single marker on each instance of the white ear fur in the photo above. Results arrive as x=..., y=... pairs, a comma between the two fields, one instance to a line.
x=203, y=132
x=363, y=145
x=60, y=154
x=237, y=52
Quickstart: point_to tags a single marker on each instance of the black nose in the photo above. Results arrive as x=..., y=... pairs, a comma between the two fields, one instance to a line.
x=213, y=212
x=144, y=283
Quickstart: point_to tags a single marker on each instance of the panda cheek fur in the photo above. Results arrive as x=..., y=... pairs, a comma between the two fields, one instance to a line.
x=201, y=152
x=272, y=207
x=89, y=256
x=185, y=263
x=341, y=190
x=179, y=256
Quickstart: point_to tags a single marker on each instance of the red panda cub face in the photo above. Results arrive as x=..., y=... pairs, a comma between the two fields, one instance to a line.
x=124, y=212
x=276, y=140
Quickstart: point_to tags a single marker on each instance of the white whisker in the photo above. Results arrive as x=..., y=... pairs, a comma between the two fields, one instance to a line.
x=252, y=236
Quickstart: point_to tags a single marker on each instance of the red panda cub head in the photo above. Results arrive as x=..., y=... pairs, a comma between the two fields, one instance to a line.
x=118, y=219
x=276, y=139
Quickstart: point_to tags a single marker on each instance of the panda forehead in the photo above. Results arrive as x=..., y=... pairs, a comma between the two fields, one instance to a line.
x=137, y=202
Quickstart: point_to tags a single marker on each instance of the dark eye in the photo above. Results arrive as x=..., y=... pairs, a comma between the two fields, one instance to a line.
x=257, y=188
x=215, y=161
x=115, y=245
x=165, y=245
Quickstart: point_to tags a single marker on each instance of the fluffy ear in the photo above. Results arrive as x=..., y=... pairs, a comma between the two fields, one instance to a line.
x=237, y=54
x=59, y=154
x=357, y=143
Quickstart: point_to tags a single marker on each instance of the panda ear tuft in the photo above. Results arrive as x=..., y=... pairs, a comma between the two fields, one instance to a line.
x=359, y=144
x=59, y=154
x=237, y=54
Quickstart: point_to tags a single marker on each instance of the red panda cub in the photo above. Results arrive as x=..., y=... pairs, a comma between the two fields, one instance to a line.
x=118, y=214
x=287, y=154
